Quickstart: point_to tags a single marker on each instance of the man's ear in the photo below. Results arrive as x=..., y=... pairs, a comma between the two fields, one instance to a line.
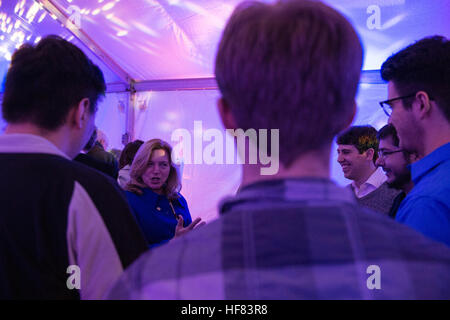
x=226, y=116
x=81, y=113
x=424, y=104
x=413, y=157
x=370, y=153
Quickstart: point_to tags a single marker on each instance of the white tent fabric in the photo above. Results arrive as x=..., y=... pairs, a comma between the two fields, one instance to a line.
x=159, y=114
x=145, y=44
x=177, y=39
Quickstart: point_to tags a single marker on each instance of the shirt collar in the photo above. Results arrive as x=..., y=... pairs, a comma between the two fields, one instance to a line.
x=376, y=179
x=28, y=143
x=427, y=163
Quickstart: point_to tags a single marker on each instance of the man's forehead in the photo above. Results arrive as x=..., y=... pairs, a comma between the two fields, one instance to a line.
x=386, y=143
x=392, y=90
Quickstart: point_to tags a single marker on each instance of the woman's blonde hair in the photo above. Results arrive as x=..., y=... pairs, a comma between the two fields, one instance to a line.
x=140, y=164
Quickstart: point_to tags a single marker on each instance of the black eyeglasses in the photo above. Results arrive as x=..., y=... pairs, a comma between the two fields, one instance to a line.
x=386, y=105
x=385, y=153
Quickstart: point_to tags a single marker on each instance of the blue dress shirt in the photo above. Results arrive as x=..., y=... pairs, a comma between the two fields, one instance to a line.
x=427, y=207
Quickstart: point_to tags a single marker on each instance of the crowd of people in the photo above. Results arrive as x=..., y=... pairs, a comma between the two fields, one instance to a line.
x=291, y=65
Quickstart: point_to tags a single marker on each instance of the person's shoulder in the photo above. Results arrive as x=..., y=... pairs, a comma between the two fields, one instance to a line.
x=147, y=196
x=86, y=172
x=417, y=201
x=56, y=167
x=434, y=187
x=384, y=237
x=111, y=159
x=133, y=196
x=96, y=164
x=63, y=174
x=101, y=188
x=181, y=199
x=424, y=209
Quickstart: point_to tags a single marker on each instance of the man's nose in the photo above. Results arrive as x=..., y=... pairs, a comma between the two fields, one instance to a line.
x=379, y=162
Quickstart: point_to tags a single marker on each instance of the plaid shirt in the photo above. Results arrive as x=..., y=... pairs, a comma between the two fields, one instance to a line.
x=292, y=239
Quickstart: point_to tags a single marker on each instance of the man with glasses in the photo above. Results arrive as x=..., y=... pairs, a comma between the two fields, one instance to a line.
x=394, y=162
x=419, y=109
x=357, y=153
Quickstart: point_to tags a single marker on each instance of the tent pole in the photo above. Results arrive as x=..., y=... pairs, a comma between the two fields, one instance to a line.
x=129, y=115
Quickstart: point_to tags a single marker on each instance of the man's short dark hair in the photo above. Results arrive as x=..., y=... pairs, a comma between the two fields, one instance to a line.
x=388, y=131
x=362, y=137
x=46, y=80
x=424, y=65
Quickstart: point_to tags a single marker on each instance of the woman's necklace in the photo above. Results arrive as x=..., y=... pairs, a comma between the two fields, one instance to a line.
x=173, y=209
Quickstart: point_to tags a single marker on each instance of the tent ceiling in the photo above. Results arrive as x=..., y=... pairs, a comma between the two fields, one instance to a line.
x=177, y=39
x=25, y=21
x=156, y=39
x=401, y=22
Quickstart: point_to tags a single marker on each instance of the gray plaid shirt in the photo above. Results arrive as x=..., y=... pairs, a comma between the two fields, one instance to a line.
x=292, y=239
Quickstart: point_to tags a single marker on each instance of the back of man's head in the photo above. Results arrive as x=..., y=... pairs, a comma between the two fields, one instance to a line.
x=292, y=66
x=361, y=137
x=46, y=80
x=422, y=66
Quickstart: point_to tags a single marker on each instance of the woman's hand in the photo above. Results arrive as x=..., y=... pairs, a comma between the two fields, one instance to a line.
x=180, y=230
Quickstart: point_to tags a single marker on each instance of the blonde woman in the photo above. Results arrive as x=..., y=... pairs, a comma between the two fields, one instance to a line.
x=153, y=193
